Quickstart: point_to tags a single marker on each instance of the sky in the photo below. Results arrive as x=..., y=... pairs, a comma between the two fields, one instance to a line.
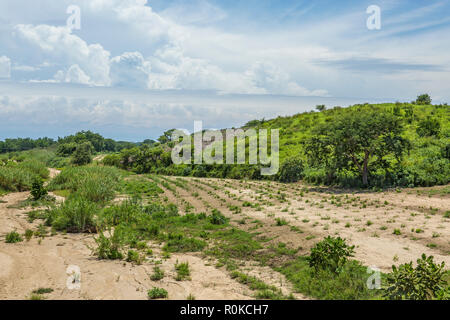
x=133, y=68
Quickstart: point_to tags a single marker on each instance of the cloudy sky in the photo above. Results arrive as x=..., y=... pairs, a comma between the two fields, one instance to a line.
x=137, y=67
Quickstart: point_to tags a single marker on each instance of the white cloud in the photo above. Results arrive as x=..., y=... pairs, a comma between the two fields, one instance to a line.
x=130, y=70
x=5, y=67
x=69, y=49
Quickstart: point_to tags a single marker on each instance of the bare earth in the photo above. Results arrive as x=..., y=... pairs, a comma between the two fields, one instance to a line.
x=26, y=266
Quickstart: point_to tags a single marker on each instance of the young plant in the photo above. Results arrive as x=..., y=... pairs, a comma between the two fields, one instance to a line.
x=330, y=254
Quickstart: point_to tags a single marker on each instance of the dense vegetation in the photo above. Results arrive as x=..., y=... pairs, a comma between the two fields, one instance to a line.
x=401, y=144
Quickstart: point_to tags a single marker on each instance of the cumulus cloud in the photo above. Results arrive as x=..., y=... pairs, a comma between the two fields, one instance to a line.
x=69, y=49
x=130, y=70
x=270, y=79
x=5, y=67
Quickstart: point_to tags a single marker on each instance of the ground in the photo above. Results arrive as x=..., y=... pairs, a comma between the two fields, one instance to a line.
x=295, y=214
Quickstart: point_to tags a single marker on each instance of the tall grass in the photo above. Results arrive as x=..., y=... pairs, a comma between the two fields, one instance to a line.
x=93, y=183
x=76, y=214
x=19, y=176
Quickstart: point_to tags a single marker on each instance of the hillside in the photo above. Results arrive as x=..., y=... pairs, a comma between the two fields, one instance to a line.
x=423, y=131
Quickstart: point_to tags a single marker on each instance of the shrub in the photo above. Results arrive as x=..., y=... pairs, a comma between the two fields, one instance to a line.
x=157, y=275
x=13, y=237
x=108, y=248
x=83, y=154
x=157, y=293
x=428, y=127
x=217, y=218
x=28, y=234
x=182, y=270
x=291, y=170
x=424, y=282
x=74, y=215
x=134, y=257
x=37, y=189
x=423, y=99
x=330, y=254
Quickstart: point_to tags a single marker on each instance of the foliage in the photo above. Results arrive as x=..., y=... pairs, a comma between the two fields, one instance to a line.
x=75, y=215
x=13, y=237
x=423, y=99
x=291, y=170
x=83, y=154
x=424, y=282
x=157, y=293
x=108, y=248
x=330, y=254
x=38, y=191
x=429, y=127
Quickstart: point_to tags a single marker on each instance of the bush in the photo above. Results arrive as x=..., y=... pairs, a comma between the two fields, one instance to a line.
x=217, y=218
x=428, y=127
x=157, y=275
x=182, y=270
x=330, y=254
x=423, y=99
x=13, y=237
x=74, y=215
x=37, y=189
x=157, y=293
x=424, y=282
x=83, y=154
x=291, y=170
x=108, y=248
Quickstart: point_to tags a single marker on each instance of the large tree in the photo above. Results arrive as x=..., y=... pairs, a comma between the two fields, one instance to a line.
x=356, y=140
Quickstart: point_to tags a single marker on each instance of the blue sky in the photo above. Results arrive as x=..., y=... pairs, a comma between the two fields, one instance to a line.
x=136, y=67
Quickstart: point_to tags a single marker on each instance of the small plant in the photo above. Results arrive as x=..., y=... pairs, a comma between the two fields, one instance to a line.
x=157, y=275
x=330, y=254
x=281, y=222
x=157, y=293
x=217, y=218
x=182, y=270
x=43, y=291
x=108, y=248
x=134, y=257
x=397, y=232
x=190, y=297
x=13, y=237
x=424, y=282
x=38, y=190
x=28, y=234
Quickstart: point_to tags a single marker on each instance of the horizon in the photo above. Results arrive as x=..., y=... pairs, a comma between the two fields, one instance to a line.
x=132, y=69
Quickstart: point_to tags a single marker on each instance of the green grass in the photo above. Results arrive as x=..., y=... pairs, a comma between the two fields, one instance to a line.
x=183, y=271
x=157, y=275
x=348, y=284
x=13, y=237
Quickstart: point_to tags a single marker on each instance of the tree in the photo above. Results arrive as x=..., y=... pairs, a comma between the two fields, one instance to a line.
x=355, y=140
x=321, y=107
x=83, y=154
x=166, y=137
x=423, y=99
x=428, y=127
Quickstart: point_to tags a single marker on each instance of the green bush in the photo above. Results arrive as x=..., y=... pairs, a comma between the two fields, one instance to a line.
x=157, y=293
x=429, y=127
x=13, y=237
x=217, y=218
x=330, y=254
x=37, y=189
x=75, y=215
x=157, y=275
x=424, y=282
x=108, y=248
x=291, y=170
x=183, y=271
x=83, y=154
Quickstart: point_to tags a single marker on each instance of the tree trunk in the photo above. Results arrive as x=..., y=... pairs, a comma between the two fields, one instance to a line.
x=365, y=171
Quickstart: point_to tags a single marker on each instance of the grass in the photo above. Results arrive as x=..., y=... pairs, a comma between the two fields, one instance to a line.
x=157, y=275
x=183, y=271
x=348, y=284
x=13, y=237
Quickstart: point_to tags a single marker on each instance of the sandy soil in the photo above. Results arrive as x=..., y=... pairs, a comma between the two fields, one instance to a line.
x=43, y=263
